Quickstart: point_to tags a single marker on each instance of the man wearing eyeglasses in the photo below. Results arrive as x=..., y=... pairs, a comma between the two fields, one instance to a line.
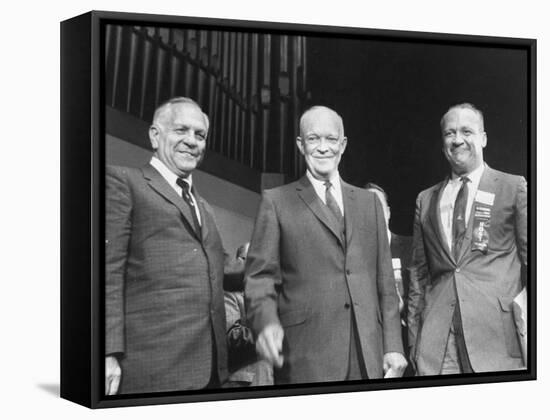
x=319, y=289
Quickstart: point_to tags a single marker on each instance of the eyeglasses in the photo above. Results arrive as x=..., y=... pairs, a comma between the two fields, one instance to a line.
x=316, y=140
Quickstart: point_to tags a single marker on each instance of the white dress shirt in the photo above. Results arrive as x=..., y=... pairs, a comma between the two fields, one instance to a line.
x=335, y=189
x=448, y=198
x=171, y=178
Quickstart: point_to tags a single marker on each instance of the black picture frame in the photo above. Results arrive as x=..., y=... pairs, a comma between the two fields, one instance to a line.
x=83, y=120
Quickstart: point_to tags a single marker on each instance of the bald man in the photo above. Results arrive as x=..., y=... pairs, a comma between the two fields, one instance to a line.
x=164, y=307
x=319, y=287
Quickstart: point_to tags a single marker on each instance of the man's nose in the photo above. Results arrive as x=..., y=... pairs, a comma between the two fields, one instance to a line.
x=457, y=138
x=190, y=138
x=323, y=145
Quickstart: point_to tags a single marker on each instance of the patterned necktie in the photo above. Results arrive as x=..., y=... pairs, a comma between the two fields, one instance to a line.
x=187, y=198
x=459, y=216
x=331, y=203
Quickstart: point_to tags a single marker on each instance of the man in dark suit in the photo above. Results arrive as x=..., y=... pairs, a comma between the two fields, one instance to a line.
x=164, y=308
x=470, y=241
x=318, y=280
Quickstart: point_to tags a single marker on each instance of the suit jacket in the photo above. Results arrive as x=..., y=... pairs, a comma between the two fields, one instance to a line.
x=164, y=308
x=303, y=274
x=486, y=282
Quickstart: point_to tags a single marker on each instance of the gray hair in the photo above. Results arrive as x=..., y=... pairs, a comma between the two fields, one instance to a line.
x=163, y=107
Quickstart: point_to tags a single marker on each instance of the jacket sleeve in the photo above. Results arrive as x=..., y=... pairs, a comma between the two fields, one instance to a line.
x=419, y=276
x=521, y=220
x=387, y=292
x=263, y=271
x=118, y=225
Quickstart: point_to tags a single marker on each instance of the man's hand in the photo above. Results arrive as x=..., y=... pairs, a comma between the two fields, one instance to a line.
x=269, y=344
x=112, y=375
x=394, y=365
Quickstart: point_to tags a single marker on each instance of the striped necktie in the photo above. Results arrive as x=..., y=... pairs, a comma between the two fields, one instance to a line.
x=459, y=216
x=187, y=198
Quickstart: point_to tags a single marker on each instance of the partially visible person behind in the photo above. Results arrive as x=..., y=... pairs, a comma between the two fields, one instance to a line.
x=400, y=246
x=401, y=249
x=245, y=369
x=469, y=245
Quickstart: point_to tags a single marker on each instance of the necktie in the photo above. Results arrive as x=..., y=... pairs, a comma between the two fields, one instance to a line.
x=331, y=203
x=459, y=229
x=459, y=216
x=187, y=198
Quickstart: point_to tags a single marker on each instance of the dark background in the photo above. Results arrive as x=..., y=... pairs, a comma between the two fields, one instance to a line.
x=392, y=95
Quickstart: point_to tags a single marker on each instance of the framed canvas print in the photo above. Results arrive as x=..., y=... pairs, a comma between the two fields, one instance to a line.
x=260, y=209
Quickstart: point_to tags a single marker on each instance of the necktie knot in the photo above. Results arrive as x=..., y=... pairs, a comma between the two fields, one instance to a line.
x=331, y=202
x=183, y=184
x=187, y=198
x=464, y=180
x=185, y=190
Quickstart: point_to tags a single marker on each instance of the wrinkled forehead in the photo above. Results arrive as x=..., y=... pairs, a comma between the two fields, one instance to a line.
x=461, y=117
x=182, y=113
x=321, y=122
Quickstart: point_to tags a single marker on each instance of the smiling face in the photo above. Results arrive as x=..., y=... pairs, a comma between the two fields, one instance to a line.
x=178, y=136
x=321, y=141
x=463, y=139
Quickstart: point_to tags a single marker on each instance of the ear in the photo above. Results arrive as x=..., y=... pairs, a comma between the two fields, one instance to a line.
x=300, y=145
x=154, y=136
x=344, y=144
x=484, y=140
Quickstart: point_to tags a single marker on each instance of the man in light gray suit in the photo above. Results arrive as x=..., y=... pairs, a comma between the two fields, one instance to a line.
x=319, y=287
x=469, y=245
x=164, y=308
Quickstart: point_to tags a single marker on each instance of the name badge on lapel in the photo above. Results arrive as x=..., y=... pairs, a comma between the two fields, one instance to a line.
x=482, y=221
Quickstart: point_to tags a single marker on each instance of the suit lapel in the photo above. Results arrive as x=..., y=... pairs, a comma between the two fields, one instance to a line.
x=160, y=185
x=204, y=215
x=487, y=183
x=434, y=216
x=348, y=195
x=307, y=193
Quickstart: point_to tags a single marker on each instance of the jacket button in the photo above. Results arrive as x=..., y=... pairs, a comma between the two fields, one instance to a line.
x=348, y=272
x=346, y=305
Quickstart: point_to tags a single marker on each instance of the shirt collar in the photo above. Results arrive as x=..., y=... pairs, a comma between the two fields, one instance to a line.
x=474, y=176
x=167, y=174
x=320, y=185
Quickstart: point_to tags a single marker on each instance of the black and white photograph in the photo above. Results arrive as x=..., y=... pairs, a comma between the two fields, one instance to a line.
x=285, y=211
x=306, y=206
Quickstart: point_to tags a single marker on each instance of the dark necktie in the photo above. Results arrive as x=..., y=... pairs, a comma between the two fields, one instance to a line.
x=187, y=198
x=331, y=203
x=459, y=229
x=459, y=216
